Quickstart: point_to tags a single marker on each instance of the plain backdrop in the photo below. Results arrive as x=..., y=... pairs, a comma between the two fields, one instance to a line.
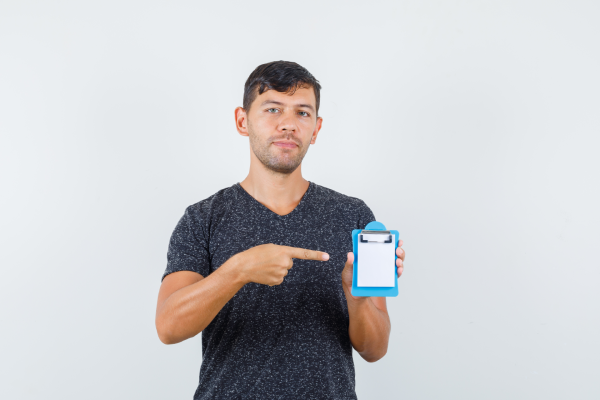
x=481, y=121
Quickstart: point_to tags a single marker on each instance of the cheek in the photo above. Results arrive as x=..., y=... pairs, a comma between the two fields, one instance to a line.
x=263, y=126
x=307, y=136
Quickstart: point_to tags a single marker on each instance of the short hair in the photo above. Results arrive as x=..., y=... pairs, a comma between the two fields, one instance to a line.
x=282, y=76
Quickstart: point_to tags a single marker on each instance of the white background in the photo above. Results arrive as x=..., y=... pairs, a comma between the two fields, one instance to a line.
x=117, y=115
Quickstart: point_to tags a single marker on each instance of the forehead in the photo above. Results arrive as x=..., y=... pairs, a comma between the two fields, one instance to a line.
x=301, y=96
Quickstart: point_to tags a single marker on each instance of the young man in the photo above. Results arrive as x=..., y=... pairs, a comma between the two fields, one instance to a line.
x=270, y=331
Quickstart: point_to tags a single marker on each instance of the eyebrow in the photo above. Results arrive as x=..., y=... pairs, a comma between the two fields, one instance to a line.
x=281, y=104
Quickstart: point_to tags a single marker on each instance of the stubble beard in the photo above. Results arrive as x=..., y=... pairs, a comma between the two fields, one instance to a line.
x=281, y=162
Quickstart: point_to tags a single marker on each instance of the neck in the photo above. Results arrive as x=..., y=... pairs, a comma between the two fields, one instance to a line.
x=279, y=192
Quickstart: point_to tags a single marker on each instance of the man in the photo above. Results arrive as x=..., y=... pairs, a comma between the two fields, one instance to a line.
x=270, y=331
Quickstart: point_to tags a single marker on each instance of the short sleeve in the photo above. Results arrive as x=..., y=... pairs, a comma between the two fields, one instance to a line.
x=188, y=247
x=365, y=215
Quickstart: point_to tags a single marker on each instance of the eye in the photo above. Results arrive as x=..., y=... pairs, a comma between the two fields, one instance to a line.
x=305, y=113
x=269, y=109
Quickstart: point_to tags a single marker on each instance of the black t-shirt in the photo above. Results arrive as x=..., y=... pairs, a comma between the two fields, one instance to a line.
x=288, y=341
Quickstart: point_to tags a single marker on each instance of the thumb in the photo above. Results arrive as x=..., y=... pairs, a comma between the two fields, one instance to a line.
x=348, y=270
x=350, y=259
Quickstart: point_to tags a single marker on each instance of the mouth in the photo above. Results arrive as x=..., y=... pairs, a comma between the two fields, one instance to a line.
x=286, y=144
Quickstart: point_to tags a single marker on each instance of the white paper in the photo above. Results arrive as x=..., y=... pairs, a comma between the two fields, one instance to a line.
x=376, y=262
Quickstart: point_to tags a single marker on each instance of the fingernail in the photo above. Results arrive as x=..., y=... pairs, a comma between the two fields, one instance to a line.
x=325, y=256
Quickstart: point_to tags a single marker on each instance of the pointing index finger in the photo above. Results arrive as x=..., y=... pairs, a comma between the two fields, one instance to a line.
x=306, y=254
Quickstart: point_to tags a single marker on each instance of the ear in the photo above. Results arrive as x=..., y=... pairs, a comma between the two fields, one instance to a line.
x=241, y=121
x=313, y=139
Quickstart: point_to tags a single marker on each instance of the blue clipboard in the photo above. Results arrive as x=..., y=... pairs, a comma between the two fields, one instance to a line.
x=374, y=291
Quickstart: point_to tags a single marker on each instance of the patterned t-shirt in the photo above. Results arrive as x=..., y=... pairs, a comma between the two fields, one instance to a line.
x=288, y=341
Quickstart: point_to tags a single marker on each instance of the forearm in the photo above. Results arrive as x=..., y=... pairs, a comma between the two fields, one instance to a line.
x=189, y=310
x=369, y=328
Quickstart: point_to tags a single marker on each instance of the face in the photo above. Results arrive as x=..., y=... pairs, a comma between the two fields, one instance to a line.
x=280, y=127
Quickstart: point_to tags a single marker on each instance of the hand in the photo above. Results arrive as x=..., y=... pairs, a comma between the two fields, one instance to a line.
x=400, y=260
x=268, y=264
x=348, y=272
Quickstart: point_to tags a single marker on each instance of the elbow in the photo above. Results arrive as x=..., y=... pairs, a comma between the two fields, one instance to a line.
x=165, y=333
x=371, y=358
x=170, y=334
x=166, y=339
x=374, y=353
x=164, y=336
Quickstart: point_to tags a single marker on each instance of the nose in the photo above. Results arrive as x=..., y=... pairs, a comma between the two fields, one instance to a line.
x=287, y=125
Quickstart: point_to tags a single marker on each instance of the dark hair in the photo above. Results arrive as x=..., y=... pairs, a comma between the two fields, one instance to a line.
x=282, y=76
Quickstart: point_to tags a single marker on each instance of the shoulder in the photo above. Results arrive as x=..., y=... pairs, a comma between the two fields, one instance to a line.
x=346, y=211
x=206, y=210
x=216, y=201
x=340, y=201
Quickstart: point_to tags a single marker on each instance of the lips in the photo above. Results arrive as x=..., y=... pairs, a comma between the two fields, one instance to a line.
x=287, y=144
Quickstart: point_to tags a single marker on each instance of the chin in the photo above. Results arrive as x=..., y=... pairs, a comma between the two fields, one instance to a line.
x=282, y=167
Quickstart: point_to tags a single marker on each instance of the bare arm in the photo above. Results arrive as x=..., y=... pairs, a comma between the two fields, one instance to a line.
x=370, y=325
x=188, y=302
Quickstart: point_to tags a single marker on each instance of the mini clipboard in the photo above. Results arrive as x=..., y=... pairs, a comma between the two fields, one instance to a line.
x=377, y=236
